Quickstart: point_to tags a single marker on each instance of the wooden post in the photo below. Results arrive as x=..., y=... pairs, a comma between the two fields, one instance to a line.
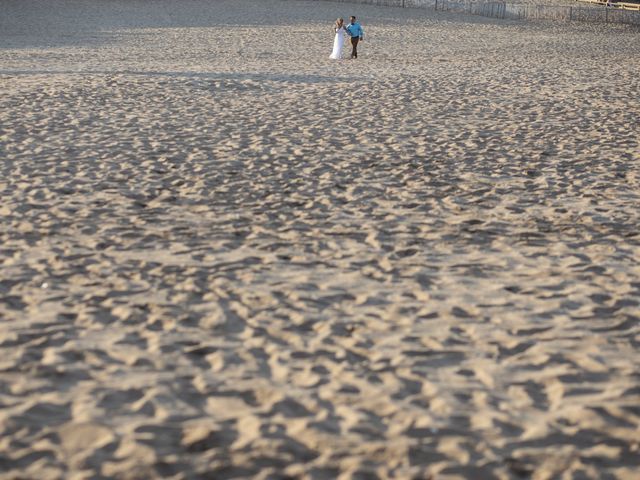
x=436, y=5
x=570, y=13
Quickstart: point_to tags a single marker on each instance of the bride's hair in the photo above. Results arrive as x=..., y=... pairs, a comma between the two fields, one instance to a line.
x=339, y=21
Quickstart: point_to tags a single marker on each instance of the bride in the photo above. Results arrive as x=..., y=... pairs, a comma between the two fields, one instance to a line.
x=338, y=41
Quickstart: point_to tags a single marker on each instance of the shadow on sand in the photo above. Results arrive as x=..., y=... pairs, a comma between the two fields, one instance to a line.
x=257, y=77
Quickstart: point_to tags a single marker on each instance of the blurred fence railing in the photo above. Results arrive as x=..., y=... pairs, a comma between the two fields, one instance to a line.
x=618, y=5
x=540, y=12
x=626, y=13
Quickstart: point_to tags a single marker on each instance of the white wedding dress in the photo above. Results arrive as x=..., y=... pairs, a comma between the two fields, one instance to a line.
x=338, y=43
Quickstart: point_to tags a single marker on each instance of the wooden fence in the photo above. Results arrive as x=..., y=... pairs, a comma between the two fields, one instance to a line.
x=540, y=12
x=618, y=5
x=627, y=13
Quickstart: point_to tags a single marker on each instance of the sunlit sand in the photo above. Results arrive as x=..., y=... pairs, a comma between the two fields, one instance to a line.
x=224, y=255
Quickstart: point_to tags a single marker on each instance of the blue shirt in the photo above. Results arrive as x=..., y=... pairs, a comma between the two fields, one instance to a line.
x=355, y=30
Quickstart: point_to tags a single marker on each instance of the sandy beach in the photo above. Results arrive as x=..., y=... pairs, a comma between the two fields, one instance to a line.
x=224, y=255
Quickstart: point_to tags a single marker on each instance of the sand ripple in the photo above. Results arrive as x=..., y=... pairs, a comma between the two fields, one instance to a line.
x=224, y=256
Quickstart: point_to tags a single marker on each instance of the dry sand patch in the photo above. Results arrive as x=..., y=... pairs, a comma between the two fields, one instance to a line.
x=224, y=255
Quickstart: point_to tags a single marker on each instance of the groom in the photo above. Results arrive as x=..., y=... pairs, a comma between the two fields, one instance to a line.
x=357, y=35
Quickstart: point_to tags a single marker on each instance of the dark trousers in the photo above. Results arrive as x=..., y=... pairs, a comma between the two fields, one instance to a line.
x=354, y=47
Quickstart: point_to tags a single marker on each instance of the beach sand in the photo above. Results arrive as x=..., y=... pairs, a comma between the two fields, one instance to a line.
x=223, y=255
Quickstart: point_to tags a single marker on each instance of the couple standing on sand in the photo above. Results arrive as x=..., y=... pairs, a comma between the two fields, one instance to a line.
x=355, y=32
